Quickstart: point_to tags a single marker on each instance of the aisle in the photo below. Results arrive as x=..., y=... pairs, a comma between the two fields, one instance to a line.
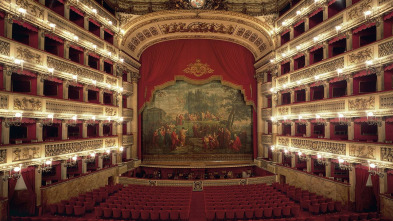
x=197, y=207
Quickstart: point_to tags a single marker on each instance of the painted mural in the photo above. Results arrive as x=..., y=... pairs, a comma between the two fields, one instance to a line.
x=197, y=119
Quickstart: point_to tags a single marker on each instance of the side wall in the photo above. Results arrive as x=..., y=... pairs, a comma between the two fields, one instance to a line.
x=386, y=207
x=322, y=186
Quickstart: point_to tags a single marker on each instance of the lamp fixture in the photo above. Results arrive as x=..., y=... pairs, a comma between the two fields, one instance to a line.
x=15, y=121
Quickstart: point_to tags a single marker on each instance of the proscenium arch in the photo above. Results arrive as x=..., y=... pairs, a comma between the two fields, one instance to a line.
x=147, y=30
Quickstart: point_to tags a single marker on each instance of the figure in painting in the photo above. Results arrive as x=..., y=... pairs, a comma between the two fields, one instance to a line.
x=175, y=139
x=183, y=136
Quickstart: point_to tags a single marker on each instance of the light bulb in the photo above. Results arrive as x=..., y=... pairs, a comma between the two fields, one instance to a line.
x=94, y=46
x=121, y=119
x=74, y=158
x=93, y=154
x=50, y=115
x=22, y=10
x=94, y=117
x=316, y=38
x=298, y=82
x=340, y=115
x=51, y=70
x=75, y=77
x=298, y=12
x=319, y=156
x=367, y=13
x=300, y=117
x=121, y=149
x=74, y=117
x=110, y=22
x=18, y=61
x=94, y=82
x=52, y=25
x=339, y=70
x=76, y=38
x=121, y=60
x=298, y=47
x=271, y=89
x=299, y=153
x=370, y=114
x=48, y=162
x=94, y=11
x=108, y=151
x=340, y=160
x=318, y=116
x=285, y=117
x=369, y=62
x=285, y=151
x=272, y=118
x=17, y=169
x=338, y=27
x=372, y=165
x=18, y=114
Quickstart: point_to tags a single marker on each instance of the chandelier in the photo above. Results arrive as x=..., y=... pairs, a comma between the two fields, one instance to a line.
x=344, y=165
x=92, y=121
x=71, y=162
x=73, y=122
x=91, y=159
x=47, y=122
x=46, y=167
x=11, y=175
x=15, y=121
x=301, y=156
x=321, y=161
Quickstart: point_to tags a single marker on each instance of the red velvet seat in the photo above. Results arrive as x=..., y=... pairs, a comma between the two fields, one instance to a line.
x=295, y=211
x=220, y=214
x=353, y=217
x=79, y=210
x=258, y=213
x=277, y=211
x=154, y=214
x=338, y=206
x=344, y=217
x=107, y=212
x=69, y=210
x=314, y=209
x=330, y=206
x=286, y=211
x=53, y=209
x=249, y=213
x=210, y=215
x=89, y=205
x=305, y=204
x=145, y=214
x=239, y=213
x=174, y=214
x=116, y=213
x=268, y=212
x=164, y=215
x=230, y=214
x=363, y=216
x=184, y=214
x=323, y=207
x=333, y=218
x=125, y=213
x=135, y=214
x=98, y=212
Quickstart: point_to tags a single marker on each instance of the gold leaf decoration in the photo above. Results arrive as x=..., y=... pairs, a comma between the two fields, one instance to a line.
x=198, y=69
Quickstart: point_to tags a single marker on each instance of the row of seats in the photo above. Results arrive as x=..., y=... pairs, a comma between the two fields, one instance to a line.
x=259, y=213
x=116, y=213
x=353, y=216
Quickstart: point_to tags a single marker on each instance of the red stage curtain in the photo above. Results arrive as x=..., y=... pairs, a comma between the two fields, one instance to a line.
x=164, y=63
x=375, y=181
x=390, y=183
x=11, y=189
x=29, y=177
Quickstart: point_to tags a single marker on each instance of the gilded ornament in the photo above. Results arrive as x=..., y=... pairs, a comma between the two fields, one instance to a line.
x=198, y=69
x=362, y=103
x=5, y=48
x=27, y=55
x=27, y=104
x=25, y=153
x=361, y=56
x=362, y=151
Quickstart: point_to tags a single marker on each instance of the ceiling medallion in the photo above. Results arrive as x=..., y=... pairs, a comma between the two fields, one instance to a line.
x=197, y=3
x=198, y=69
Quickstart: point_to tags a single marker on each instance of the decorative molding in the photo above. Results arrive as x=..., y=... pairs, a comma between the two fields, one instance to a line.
x=5, y=48
x=72, y=147
x=329, y=147
x=361, y=56
x=198, y=69
x=387, y=154
x=385, y=49
x=197, y=27
x=3, y=101
x=25, y=153
x=284, y=141
x=128, y=139
x=63, y=66
x=30, y=104
x=362, y=151
x=33, y=9
x=72, y=108
x=28, y=55
x=358, y=10
x=3, y=156
x=197, y=186
x=283, y=110
x=111, y=81
x=109, y=111
x=267, y=139
x=110, y=142
x=362, y=103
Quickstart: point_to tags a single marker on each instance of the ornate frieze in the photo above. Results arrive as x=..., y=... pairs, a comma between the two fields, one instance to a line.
x=320, y=107
x=5, y=48
x=3, y=156
x=110, y=142
x=385, y=49
x=30, y=104
x=100, y=11
x=284, y=141
x=72, y=147
x=72, y=108
x=364, y=151
x=318, y=69
x=361, y=56
x=362, y=103
x=28, y=55
x=198, y=27
x=283, y=110
x=111, y=81
x=386, y=101
x=3, y=101
x=267, y=139
x=109, y=111
x=358, y=10
x=128, y=139
x=266, y=113
x=33, y=9
x=198, y=68
x=329, y=147
x=60, y=65
x=25, y=153
x=387, y=154
x=282, y=80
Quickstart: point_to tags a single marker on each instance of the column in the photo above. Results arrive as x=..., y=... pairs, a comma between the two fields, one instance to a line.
x=5, y=133
x=328, y=167
x=349, y=86
x=128, y=150
x=86, y=57
x=381, y=131
x=86, y=22
x=306, y=24
x=102, y=32
x=279, y=129
x=8, y=26
x=84, y=166
x=101, y=64
x=308, y=128
x=308, y=163
x=100, y=162
x=7, y=77
x=42, y=2
x=114, y=158
x=307, y=57
x=293, y=129
x=134, y=123
x=39, y=129
x=4, y=187
x=63, y=170
x=383, y=181
x=380, y=79
x=279, y=155
x=308, y=95
x=379, y=24
x=85, y=93
x=279, y=100
x=278, y=69
x=291, y=64
x=40, y=85
x=38, y=183
x=100, y=129
x=279, y=40
x=325, y=12
x=292, y=96
x=348, y=36
x=65, y=90
x=67, y=10
x=260, y=104
x=325, y=50
x=293, y=160
x=114, y=130
x=66, y=49
x=84, y=129
x=327, y=129
x=64, y=130
x=351, y=131
x=348, y=3
x=101, y=96
x=326, y=89
x=41, y=39
x=291, y=33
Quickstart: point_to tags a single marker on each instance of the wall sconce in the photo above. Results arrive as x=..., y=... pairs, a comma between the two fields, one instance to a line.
x=47, y=122
x=342, y=120
x=301, y=156
x=344, y=165
x=92, y=121
x=71, y=162
x=73, y=122
x=15, y=121
x=91, y=158
x=46, y=167
x=320, y=160
x=52, y=27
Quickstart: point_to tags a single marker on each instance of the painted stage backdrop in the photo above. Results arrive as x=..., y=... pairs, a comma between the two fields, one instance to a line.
x=197, y=120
